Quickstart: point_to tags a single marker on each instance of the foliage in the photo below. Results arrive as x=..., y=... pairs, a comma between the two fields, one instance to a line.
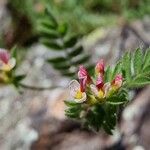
x=136, y=69
x=88, y=15
x=56, y=36
x=97, y=113
x=24, y=8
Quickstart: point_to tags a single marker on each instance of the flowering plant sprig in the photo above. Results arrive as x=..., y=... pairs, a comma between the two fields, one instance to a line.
x=95, y=100
x=8, y=63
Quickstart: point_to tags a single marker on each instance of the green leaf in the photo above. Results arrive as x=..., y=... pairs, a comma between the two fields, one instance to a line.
x=51, y=44
x=118, y=97
x=81, y=60
x=62, y=29
x=18, y=79
x=14, y=52
x=47, y=23
x=111, y=115
x=76, y=51
x=107, y=129
x=146, y=59
x=48, y=33
x=94, y=117
x=56, y=60
x=72, y=115
x=114, y=100
x=51, y=17
x=137, y=61
x=110, y=118
x=71, y=41
x=108, y=74
x=70, y=103
x=73, y=110
x=61, y=66
x=76, y=109
x=126, y=66
x=117, y=70
x=146, y=70
x=139, y=82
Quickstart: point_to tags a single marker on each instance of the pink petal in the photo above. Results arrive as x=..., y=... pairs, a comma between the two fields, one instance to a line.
x=83, y=82
x=4, y=56
x=74, y=86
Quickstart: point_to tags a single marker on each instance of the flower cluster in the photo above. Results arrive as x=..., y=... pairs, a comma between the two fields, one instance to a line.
x=95, y=87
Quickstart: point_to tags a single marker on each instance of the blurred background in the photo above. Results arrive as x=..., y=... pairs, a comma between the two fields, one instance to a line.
x=71, y=33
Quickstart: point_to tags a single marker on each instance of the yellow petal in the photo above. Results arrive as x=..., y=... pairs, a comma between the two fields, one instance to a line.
x=100, y=94
x=82, y=99
x=5, y=67
x=78, y=95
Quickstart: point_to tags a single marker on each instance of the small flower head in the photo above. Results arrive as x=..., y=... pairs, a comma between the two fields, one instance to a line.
x=117, y=82
x=76, y=93
x=100, y=90
x=83, y=74
x=99, y=69
x=6, y=63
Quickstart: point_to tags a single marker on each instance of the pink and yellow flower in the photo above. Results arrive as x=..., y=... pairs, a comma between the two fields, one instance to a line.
x=76, y=93
x=100, y=90
x=77, y=89
x=6, y=63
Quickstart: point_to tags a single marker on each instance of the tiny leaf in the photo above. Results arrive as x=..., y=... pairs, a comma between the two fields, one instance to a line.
x=137, y=61
x=51, y=44
x=146, y=59
x=76, y=51
x=126, y=66
x=81, y=60
x=71, y=41
x=108, y=74
x=56, y=60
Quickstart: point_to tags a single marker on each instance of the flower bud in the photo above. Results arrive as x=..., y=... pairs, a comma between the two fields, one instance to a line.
x=83, y=74
x=117, y=82
x=99, y=69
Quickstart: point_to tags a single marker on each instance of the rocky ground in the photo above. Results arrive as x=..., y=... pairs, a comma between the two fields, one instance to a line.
x=35, y=119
